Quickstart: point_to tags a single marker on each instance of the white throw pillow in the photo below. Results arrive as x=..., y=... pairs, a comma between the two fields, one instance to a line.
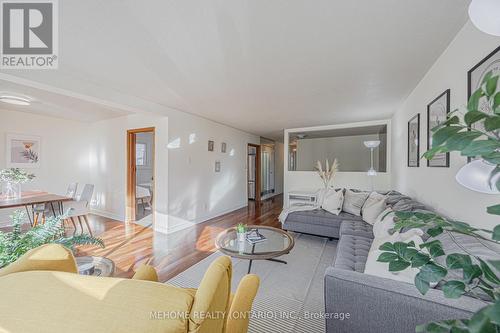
x=354, y=201
x=396, y=237
x=374, y=205
x=384, y=223
x=333, y=201
x=381, y=269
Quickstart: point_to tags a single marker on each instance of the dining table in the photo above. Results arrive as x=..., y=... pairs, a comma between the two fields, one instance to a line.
x=29, y=199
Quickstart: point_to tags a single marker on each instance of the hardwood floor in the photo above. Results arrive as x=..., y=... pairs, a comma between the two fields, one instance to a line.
x=130, y=245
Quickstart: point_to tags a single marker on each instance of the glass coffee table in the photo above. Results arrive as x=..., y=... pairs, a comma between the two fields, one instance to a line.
x=278, y=242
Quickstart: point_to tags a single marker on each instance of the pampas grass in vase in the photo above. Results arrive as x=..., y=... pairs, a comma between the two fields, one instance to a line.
x=328, y=173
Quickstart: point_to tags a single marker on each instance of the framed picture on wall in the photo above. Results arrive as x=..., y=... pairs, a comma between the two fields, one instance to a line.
x=475, y=78
x=223, y=147
x=414, y=141
x=210, y=145
x=437, y=112
x=22, y=151
x=217, y=166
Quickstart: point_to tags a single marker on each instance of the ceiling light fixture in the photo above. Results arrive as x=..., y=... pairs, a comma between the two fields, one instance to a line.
x=484, y=14
x=16, y=100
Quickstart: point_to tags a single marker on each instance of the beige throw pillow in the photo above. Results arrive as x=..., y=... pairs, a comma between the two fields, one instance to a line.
x=374, y=205
x=384, y=223
x=354, y=201
x=332, y=202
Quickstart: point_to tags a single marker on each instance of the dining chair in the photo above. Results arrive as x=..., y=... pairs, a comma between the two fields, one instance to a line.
x=143, y=195
x=80, y=208
x=43, y=209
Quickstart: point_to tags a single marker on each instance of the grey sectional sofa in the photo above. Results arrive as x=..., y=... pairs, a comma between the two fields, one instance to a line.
x=377, y=304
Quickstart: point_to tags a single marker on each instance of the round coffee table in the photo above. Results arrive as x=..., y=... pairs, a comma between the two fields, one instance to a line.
x=278, y=242
x=97, y=266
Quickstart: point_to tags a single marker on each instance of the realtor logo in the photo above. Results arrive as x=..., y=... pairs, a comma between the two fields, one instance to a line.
x=29, y=34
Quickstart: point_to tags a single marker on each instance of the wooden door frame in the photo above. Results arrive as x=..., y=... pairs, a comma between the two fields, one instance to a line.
x=257, y=171
x=131, y=171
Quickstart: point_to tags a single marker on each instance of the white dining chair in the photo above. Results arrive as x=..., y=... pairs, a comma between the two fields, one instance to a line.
x=43, y=209
x=143, y=195
x=80, y=208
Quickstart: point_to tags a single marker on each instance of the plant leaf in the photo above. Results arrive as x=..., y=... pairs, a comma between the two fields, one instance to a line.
x=496, y=103
x=496, y=232
x=421, y=284
x=488, y=273
x=432, y=272
x=420, y=259
x=471, y=272
x=492, y=123
x=473, y=104
x=453, y=289
x=387, y=257
x=491, y=85
x=443, y=134
x=387, y=246
x=494, y=210
x=458, y=260
x=472, y=117
x=481, y=147
x=398, y=265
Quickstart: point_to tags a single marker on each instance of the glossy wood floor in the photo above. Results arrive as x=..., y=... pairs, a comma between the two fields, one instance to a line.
x=130, y=245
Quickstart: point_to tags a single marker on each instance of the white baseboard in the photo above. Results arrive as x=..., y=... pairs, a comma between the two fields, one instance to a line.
x=107, y=214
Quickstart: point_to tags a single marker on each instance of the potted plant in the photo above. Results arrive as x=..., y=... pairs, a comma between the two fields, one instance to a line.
x=15, y=243
x=476, y=135
x=12, y=179
x=241, y=230
x=328, y=173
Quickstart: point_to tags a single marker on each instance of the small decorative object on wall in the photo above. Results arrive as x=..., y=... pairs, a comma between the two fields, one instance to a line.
x=223, y=147
x=22, y=151
x=328, y=173
x=210, y=145
x=217, y=166
x=476, y=77
x=414, y=141
x=437, y=112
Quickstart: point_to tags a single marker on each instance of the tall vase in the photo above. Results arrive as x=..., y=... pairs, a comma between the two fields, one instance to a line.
x=11, y=190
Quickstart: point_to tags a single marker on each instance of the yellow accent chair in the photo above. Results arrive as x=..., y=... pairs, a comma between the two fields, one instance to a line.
x=40, y=292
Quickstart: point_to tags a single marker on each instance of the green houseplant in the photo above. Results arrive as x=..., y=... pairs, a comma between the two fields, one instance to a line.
x=476, y=134
x=15, y=243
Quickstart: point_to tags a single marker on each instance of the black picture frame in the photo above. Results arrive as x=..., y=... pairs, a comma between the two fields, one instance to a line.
x=444, y=97
x=495, y=56
x=414, y=138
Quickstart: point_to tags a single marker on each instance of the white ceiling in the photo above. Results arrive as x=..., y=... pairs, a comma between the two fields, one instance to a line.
x=257, y=65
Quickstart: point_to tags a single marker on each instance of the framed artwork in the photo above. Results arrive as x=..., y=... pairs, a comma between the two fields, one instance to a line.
x=223, y=147
x=210, y=145
x=414, y=141
x=437, y=112
x=217, y=166
x=476, y=75
x=22, y=151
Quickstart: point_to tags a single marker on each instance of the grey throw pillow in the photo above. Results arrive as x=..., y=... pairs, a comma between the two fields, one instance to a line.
x=354, y=201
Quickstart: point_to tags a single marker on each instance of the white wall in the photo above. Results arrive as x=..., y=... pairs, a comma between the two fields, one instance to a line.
x=64, y=151
x=197, y=192
x=437, y=186
x=310, y=181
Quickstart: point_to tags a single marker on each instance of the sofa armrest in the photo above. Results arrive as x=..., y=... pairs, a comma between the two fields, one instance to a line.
x=375, y=304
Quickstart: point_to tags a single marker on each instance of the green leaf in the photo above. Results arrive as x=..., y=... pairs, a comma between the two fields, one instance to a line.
x=433, y=232
x=496, y=103
x=388, y=257
x=493, y=312
x=472, y=117
x=489, y=275
x=443, y=134
x=495, y=264
x=421, y=284
x=493, y=158
x=491, y=85
x=494, y=210
x=492, y=123
x=432, y=272
x=435, y=248
x=458, y=261
x=387, y=246
x=473, y=104
x=453, y=289
x=471, y=272
x=420, y=259
x=481, y=147
x=461, y=140
x=398, y=265
x=496, y=232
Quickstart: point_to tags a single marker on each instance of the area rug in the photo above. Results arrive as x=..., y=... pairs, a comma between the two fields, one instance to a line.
x=290, y=297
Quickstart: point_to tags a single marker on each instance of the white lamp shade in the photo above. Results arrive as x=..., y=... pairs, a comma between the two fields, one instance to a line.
x=476, y=177
x=372, y=172
x=372, y=144
x=485, y=14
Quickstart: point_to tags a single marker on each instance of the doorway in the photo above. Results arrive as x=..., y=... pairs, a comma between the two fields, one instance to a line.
x=253, y=172
x=140, y=175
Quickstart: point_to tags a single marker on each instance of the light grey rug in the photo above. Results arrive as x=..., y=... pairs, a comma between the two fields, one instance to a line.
x=290, y=297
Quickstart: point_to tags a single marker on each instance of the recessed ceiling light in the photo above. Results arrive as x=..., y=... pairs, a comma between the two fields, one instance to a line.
x=16, y=100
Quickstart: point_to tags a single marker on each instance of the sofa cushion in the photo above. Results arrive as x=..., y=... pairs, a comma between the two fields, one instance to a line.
x=406, y=205
x=374, y=205
x=354, y=201
x=320, y=217
x=356, y=228
x=352, y=252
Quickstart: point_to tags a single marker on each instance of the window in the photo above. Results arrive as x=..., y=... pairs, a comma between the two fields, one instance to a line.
x=140, y=154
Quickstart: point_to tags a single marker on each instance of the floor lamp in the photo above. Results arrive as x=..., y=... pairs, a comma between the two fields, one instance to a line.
x=372, y=145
